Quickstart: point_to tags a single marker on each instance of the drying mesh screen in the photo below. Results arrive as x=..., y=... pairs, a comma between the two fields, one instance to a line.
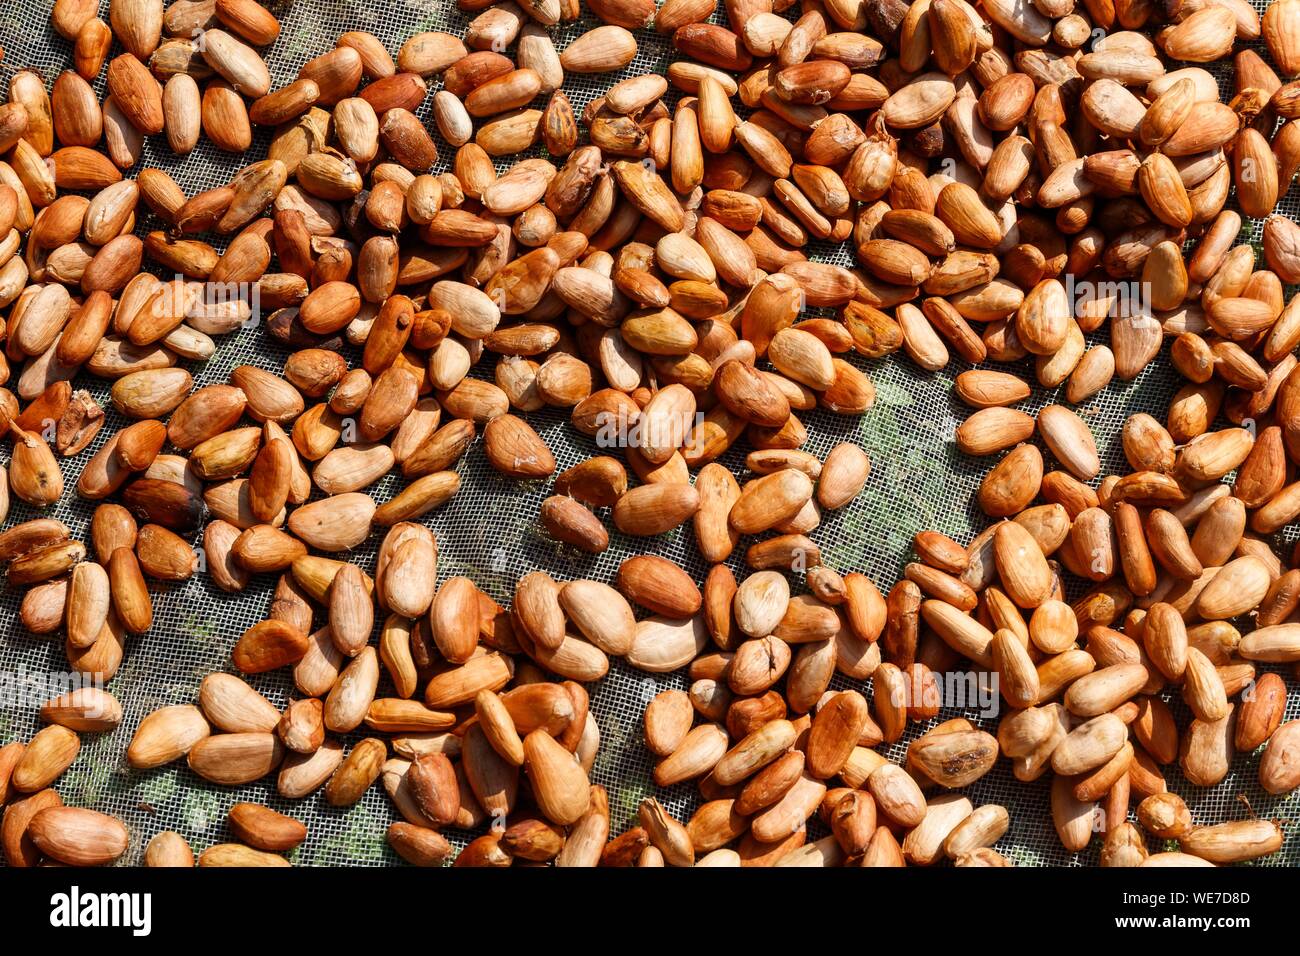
x=489, y=531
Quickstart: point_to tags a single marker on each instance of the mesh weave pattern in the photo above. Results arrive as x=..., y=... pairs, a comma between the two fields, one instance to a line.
x=489, y=530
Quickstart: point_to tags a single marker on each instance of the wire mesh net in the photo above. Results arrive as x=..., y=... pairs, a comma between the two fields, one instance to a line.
x=489, y=530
